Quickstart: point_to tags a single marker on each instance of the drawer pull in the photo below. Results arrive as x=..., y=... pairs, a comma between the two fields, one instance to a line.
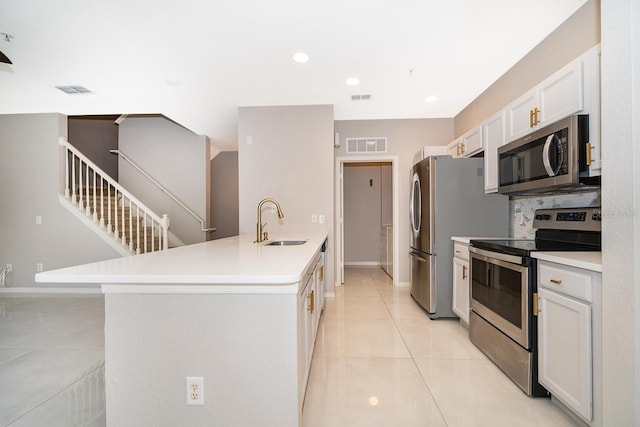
x=458, y=252
x=556, y=281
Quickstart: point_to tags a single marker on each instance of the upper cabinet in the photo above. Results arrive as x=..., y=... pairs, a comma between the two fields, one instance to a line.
x=556, y=97
x=468, y=144
x=493, y=135
x=573, y=89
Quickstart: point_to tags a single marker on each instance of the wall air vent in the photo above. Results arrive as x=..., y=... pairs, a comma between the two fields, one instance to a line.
x=367, y=145
x=365, y=97
x=72, y=90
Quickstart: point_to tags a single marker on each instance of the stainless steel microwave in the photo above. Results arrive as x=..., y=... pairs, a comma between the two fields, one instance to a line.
x=549, y=159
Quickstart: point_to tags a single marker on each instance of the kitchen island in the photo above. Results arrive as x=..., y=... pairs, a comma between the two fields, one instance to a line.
x=241, y=315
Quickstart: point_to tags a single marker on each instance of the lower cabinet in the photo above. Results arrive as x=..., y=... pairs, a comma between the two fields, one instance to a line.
x=461, y=281
x=565, y=334
x=310, y=300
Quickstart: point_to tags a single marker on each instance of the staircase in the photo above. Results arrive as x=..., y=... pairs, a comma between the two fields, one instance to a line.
x=110, y=210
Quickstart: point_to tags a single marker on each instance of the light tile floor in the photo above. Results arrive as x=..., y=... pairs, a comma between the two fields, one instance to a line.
x=380, y=361
x=51, y=361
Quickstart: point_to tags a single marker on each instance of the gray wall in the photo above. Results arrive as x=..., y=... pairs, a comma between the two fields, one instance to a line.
x=404, y=139
x=30, y=163
x=176, y=158
x=290, y=158
x=362, y=213
x=621, y=212
x=575, y=36
x=94, y=136
x=224, y=194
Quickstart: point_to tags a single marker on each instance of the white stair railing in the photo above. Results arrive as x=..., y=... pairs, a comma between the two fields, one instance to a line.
x=120, y=214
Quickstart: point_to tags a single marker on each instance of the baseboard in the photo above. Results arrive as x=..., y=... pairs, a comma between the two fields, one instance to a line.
x=404, y=284
x=362, y=264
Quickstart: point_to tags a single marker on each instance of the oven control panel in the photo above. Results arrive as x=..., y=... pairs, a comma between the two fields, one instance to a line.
x=585, y=219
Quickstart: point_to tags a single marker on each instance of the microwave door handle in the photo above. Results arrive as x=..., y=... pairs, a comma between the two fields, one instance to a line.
x=546, y=161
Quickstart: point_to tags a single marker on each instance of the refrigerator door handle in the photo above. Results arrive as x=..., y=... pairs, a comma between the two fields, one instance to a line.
x=416, y=255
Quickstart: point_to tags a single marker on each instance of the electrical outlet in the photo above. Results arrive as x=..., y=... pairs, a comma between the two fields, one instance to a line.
x=321, y=219
x=195, y=391
x=9, y=268
x=38, y=220
x=39, y=267
x=314, y=218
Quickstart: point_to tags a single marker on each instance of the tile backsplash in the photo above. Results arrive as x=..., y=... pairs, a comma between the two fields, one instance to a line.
x=522, y=209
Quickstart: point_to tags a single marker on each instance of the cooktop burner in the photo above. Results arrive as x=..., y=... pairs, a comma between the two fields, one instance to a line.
x=573, y=229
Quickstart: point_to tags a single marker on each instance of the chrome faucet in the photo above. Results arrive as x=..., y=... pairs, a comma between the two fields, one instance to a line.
x=262, y=235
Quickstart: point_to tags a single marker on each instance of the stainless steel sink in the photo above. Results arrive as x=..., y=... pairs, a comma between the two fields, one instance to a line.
x=286, y=243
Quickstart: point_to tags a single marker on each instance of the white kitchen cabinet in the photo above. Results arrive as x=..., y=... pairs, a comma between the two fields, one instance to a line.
x=565, y=334
x=556, y=97
x=591, y=61
x=461, y=281
x=468, y=144
x=493, y=135
x=453, y=149
x=309, y=309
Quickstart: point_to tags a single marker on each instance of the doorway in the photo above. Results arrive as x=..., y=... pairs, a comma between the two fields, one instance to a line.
x=366, y=213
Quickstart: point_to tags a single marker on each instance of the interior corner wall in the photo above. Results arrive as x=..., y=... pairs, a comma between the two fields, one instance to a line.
x=176, y=158
x=286, y=152
x=30, y=173
x=94, y=137
x=579, y=33
x=404, y=138
x=224, y=194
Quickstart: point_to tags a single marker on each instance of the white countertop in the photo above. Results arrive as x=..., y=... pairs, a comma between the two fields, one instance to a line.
x=587, y=260
x=233, y=261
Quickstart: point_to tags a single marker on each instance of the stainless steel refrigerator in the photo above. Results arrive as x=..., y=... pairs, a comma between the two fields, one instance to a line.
x=448, y=199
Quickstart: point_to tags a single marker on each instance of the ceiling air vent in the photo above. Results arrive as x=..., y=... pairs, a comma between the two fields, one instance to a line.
x=365, y=97
x=367, y=145
x=72, y=90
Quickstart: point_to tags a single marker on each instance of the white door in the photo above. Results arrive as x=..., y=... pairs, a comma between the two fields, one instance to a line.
x=340, y=278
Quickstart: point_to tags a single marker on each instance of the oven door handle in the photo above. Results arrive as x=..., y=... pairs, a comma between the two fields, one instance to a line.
x=497, y=255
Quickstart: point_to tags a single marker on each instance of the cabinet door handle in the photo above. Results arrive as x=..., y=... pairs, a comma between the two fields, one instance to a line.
x=311, y=307
x=458, y=252
x=536, y=305
x=464, y=272
x=458, y=150
x=556, y=281
x=589, y=148
x=536, y=112
x=531, y=116
x=462, y=148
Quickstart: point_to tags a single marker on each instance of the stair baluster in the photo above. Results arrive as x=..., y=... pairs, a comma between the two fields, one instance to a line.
x=84, y=188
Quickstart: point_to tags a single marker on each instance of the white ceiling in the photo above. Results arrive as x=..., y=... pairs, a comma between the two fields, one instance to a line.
x=197, y=61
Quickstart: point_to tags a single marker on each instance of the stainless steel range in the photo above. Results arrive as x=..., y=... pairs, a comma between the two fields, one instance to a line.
x=502, y=320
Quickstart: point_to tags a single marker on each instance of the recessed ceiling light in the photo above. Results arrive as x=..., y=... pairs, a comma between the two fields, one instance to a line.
x=353, y=81
x=431, y=98
x=301, y=57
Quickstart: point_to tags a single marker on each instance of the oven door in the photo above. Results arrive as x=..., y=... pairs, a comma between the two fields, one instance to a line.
x=501, y=292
